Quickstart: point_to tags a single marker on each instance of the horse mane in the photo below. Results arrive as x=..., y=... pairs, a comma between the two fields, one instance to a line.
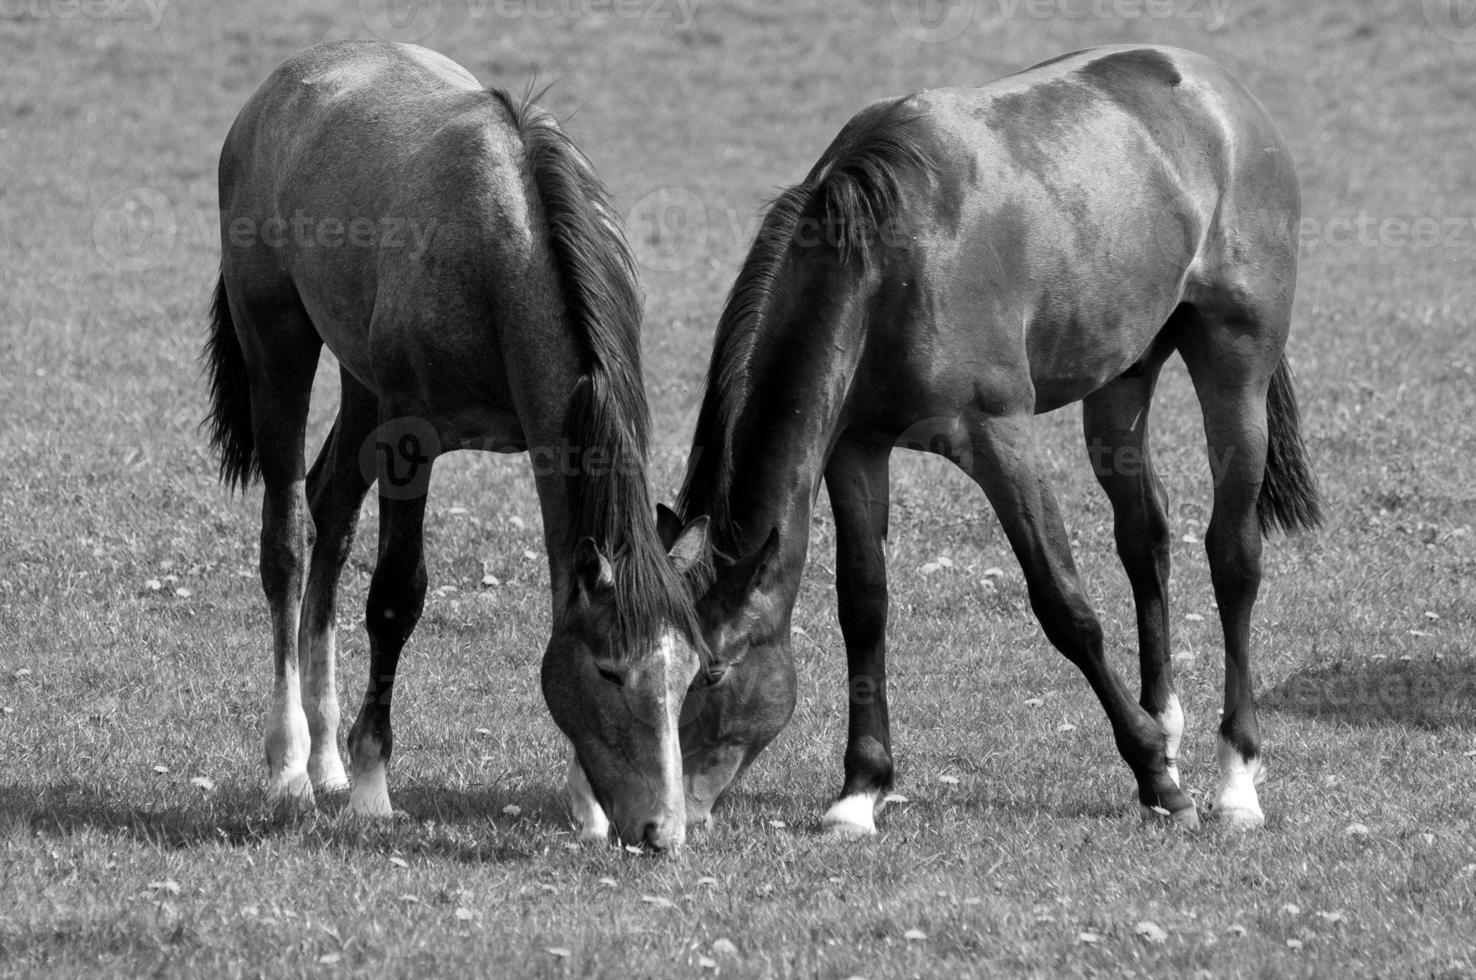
x=850, y=199
x=607, y=410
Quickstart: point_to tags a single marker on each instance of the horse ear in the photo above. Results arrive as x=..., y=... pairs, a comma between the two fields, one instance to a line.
x=593, y=574
x=668, y=525
x=691, y=550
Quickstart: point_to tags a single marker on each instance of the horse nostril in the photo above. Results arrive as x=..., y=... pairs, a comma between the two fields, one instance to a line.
x=664, y=834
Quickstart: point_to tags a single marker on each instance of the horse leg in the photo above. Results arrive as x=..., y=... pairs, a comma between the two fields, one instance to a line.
x=856, y=478
x=396, y=599
x=1115, y=424
x=1231, y=355
x=281, y=387
x=1007, y=465
x=336, y=486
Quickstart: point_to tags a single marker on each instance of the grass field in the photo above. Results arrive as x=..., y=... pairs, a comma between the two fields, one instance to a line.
x=134, y=654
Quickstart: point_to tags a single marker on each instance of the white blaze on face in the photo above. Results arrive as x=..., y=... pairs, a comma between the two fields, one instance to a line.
x=669, y=740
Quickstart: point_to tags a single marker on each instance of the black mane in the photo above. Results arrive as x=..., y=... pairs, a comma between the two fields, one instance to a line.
x=607, y=409
x=848, y=203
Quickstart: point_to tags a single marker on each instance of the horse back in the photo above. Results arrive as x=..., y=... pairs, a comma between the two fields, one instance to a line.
x=1073, y=207
x=384, y=189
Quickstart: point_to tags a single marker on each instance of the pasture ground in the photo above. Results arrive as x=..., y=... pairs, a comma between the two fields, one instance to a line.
x=132, y=837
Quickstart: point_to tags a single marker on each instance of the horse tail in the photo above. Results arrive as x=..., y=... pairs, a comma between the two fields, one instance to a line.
x=229, y=420
x=1289, y=498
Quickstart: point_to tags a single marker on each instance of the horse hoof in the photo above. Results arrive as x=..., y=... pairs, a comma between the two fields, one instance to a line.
x=1187, y=818
x=1238, y=817
x=290, y=794
x=365, y=806
x=592, y=835
x=327, y=775
x=852, y=816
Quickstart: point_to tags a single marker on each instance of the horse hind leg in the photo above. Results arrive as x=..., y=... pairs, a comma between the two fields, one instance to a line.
x=1232, y=350
x=396, y=600
x=1115, y=425
x=281, y=361
x=336, y=486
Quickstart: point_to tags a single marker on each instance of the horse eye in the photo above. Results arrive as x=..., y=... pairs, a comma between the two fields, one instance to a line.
x=617, y=679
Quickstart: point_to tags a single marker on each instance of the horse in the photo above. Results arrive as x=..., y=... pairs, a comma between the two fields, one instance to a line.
x=457, y=254
x=956, y=262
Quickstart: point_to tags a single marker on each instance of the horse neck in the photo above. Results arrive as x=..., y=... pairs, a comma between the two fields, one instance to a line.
x=798, y=377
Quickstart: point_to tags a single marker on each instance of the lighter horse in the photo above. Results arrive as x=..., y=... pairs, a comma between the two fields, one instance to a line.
x=456, y=253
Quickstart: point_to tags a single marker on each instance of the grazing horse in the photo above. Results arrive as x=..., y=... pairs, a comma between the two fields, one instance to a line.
x=456, y=253
x=957, y=262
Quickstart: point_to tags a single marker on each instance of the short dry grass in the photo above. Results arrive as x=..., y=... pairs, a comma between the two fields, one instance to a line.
x=132, y=838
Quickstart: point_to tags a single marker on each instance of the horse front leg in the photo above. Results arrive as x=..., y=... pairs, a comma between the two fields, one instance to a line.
x=856, y=479
x=1007, y=464
x=1115, y=424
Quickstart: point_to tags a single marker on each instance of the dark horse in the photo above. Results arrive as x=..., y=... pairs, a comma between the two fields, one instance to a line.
x=455, y=251
x=957, y=262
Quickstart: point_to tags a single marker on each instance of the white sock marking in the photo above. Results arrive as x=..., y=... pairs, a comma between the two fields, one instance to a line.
x=1236, y=801
x=1171, y=720
x=286, y=741
x=854, y=814
x=369, y=795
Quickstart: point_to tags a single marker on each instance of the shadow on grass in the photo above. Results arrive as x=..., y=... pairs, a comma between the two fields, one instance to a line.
x=469, y=825
x=1382, y=692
